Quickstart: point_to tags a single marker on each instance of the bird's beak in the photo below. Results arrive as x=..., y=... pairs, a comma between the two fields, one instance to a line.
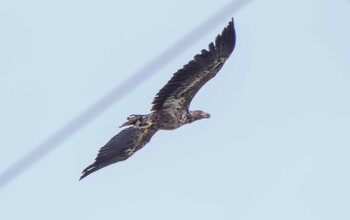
x=205, y=115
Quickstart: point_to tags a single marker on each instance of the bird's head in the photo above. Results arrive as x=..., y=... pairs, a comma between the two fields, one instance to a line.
x=198, y=114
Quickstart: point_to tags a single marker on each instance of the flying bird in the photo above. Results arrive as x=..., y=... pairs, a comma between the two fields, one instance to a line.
x=170, y=107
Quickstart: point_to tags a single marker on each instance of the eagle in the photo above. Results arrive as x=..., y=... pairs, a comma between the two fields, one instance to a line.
x=170, y=107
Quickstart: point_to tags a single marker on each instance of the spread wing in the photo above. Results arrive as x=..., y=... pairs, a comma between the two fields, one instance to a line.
x=186, y=82
x=120, y=147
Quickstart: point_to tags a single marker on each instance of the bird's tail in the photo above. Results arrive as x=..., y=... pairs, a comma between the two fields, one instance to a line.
x=137, y=120
x=131, y=120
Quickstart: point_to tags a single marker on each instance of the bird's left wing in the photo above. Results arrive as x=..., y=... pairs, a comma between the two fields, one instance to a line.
x=120, y=147
x=186, y=82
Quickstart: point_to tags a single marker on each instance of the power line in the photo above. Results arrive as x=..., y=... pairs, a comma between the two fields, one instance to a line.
x=117, y=93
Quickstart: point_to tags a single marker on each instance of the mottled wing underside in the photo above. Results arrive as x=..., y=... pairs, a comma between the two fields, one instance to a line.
x=120, y=147
x=186, y=82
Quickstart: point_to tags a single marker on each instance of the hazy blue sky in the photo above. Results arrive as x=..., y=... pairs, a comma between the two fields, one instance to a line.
x=276, y=146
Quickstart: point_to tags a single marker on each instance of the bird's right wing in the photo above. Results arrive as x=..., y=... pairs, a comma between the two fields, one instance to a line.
x=187, y=81
x=120, y=147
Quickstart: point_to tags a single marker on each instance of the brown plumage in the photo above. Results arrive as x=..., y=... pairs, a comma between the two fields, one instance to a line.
x=170, y=107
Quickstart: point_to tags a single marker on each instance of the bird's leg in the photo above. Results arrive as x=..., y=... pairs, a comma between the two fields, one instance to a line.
x=145, y=125
x=144, y=121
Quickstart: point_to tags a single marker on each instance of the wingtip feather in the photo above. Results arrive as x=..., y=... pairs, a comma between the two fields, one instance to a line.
x=226, y=41
x=88, y=170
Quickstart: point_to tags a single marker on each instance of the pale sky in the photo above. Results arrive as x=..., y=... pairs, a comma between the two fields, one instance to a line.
x=277, y=145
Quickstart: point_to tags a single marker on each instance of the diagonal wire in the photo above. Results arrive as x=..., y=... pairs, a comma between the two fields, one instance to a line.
x=117, y=93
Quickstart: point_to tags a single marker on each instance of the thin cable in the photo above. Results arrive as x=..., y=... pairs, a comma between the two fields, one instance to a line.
x=119, y=92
